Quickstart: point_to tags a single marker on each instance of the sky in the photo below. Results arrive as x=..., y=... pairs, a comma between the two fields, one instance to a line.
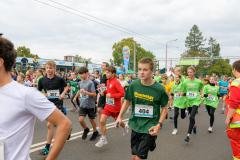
x=53, y=33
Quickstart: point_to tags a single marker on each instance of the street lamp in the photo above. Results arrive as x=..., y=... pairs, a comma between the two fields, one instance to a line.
x=166, y=54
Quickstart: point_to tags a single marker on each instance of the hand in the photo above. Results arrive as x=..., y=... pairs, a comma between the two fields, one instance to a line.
x=202, y=95
x=209, y=94
x=74, y=100
x=119, y=121
x=82, y=91
x=98, y=89
x=102, y=93
x=45, y=94
x=153, y=131
x=108, y=95
x=227, y=122
x=62, y=96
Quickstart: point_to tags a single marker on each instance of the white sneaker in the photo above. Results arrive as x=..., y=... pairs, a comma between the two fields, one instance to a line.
x=174, y=131
x=101, y=142
x=125, y=130
x=210, y=129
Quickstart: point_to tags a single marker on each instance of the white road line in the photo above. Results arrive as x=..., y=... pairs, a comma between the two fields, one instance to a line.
x=76, y=135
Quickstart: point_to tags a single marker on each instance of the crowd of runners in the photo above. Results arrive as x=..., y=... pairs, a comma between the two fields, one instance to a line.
x=98, y=96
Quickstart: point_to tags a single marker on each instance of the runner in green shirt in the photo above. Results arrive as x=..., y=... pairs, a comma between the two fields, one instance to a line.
x=179, y=102
x=211, y=93
x=147, y=97
x=157, y=77
x=73, y=83
x=39, y=73
x=177, y=70
x=192, y=87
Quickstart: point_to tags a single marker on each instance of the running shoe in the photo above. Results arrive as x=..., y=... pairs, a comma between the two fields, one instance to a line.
x=172, y=117
x=210, y=129
x=72, y=110
x=84, y=136
x=101, y=142
x=205, y=110
x=94, y=136
x=174, y=131
x=125, y=130
x=43, y=152
x=69, y=136
x=187, y=139
x=195, y=130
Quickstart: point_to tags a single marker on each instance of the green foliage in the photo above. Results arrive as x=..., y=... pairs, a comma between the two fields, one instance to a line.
x=82, y=59
x=221, y=67
x=195, y=41
x=118, y=55
x=25, y=51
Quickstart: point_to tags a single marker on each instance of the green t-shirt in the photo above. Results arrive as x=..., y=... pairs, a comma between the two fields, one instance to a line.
x=126, y=78
x=133, y=79
x=27, y=72
x=38, y=81
x=74, y=87
x=179, y=101
x=213, y=100
x=153, y=96
x=192, y=91
x=158, y=78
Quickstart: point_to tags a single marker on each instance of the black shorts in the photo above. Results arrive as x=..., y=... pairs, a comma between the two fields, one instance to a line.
x=102, y=101
x=91, y=112
x=141, y=144
x=223, y=94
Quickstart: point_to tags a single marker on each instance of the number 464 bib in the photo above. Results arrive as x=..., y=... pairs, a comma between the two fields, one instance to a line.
x=143, y=111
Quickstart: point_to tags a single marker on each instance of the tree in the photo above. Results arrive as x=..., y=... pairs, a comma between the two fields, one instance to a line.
x=25, y=51
x=221, y=67
x=213, y=50
x=195, y=41
x=82, y=59
x=118, y=55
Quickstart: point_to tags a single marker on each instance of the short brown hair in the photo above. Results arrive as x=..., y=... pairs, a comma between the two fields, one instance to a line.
x=192, y=68
x=111, y=69
x=147, y=60
x=14, y=71
x=51, y=63
x=7, y=53
x=40, y=71
x=179, y=75
x=106, y=64
x=206, y=80
x=22, y=76
x=236, y=65
x=83, y=70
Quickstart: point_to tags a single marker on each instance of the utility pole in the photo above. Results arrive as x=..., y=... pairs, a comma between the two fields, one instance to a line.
x=134, y=68
x=166, y=54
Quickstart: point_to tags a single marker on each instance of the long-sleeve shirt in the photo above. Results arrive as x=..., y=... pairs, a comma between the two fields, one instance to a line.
x=116, y=90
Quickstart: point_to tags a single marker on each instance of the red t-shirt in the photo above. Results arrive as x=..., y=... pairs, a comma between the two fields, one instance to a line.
x=116, y=90
x=30, y=77
x=234, y=100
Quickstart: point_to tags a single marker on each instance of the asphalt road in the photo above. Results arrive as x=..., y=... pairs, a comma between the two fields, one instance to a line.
x=202, y=146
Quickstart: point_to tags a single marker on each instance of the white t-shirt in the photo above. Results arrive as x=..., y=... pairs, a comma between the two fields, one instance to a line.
x=20, y=105
x=123, y=83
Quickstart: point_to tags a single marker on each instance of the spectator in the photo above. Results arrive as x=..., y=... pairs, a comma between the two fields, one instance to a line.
x=24, y=63
x=14, y=75
x=35, y=62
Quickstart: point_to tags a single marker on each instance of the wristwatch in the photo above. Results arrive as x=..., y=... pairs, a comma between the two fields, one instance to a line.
x=160, y=124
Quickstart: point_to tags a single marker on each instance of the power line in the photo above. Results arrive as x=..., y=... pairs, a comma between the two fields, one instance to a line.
x=121, y=28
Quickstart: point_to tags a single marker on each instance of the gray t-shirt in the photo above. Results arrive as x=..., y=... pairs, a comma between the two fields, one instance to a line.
x=85, y=100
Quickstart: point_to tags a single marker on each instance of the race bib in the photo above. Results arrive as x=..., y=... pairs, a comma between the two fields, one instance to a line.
x=103, y=88
x=1, y=149
x=191, y=94
x=176, y=95
x=110, y=101
x=83, y=96
x=53, y=94
x=73, y=88
x=211, y=98
x=143, y=111
x=225, y=89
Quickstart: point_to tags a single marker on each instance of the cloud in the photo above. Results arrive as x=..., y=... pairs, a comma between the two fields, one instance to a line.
x=52, y=33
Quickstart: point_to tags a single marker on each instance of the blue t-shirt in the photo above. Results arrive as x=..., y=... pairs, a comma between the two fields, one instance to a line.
x=221, y=80
x=14, y=78
x=225, y=85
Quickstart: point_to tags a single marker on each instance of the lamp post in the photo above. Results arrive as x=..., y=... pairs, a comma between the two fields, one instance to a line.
x=166, y=55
